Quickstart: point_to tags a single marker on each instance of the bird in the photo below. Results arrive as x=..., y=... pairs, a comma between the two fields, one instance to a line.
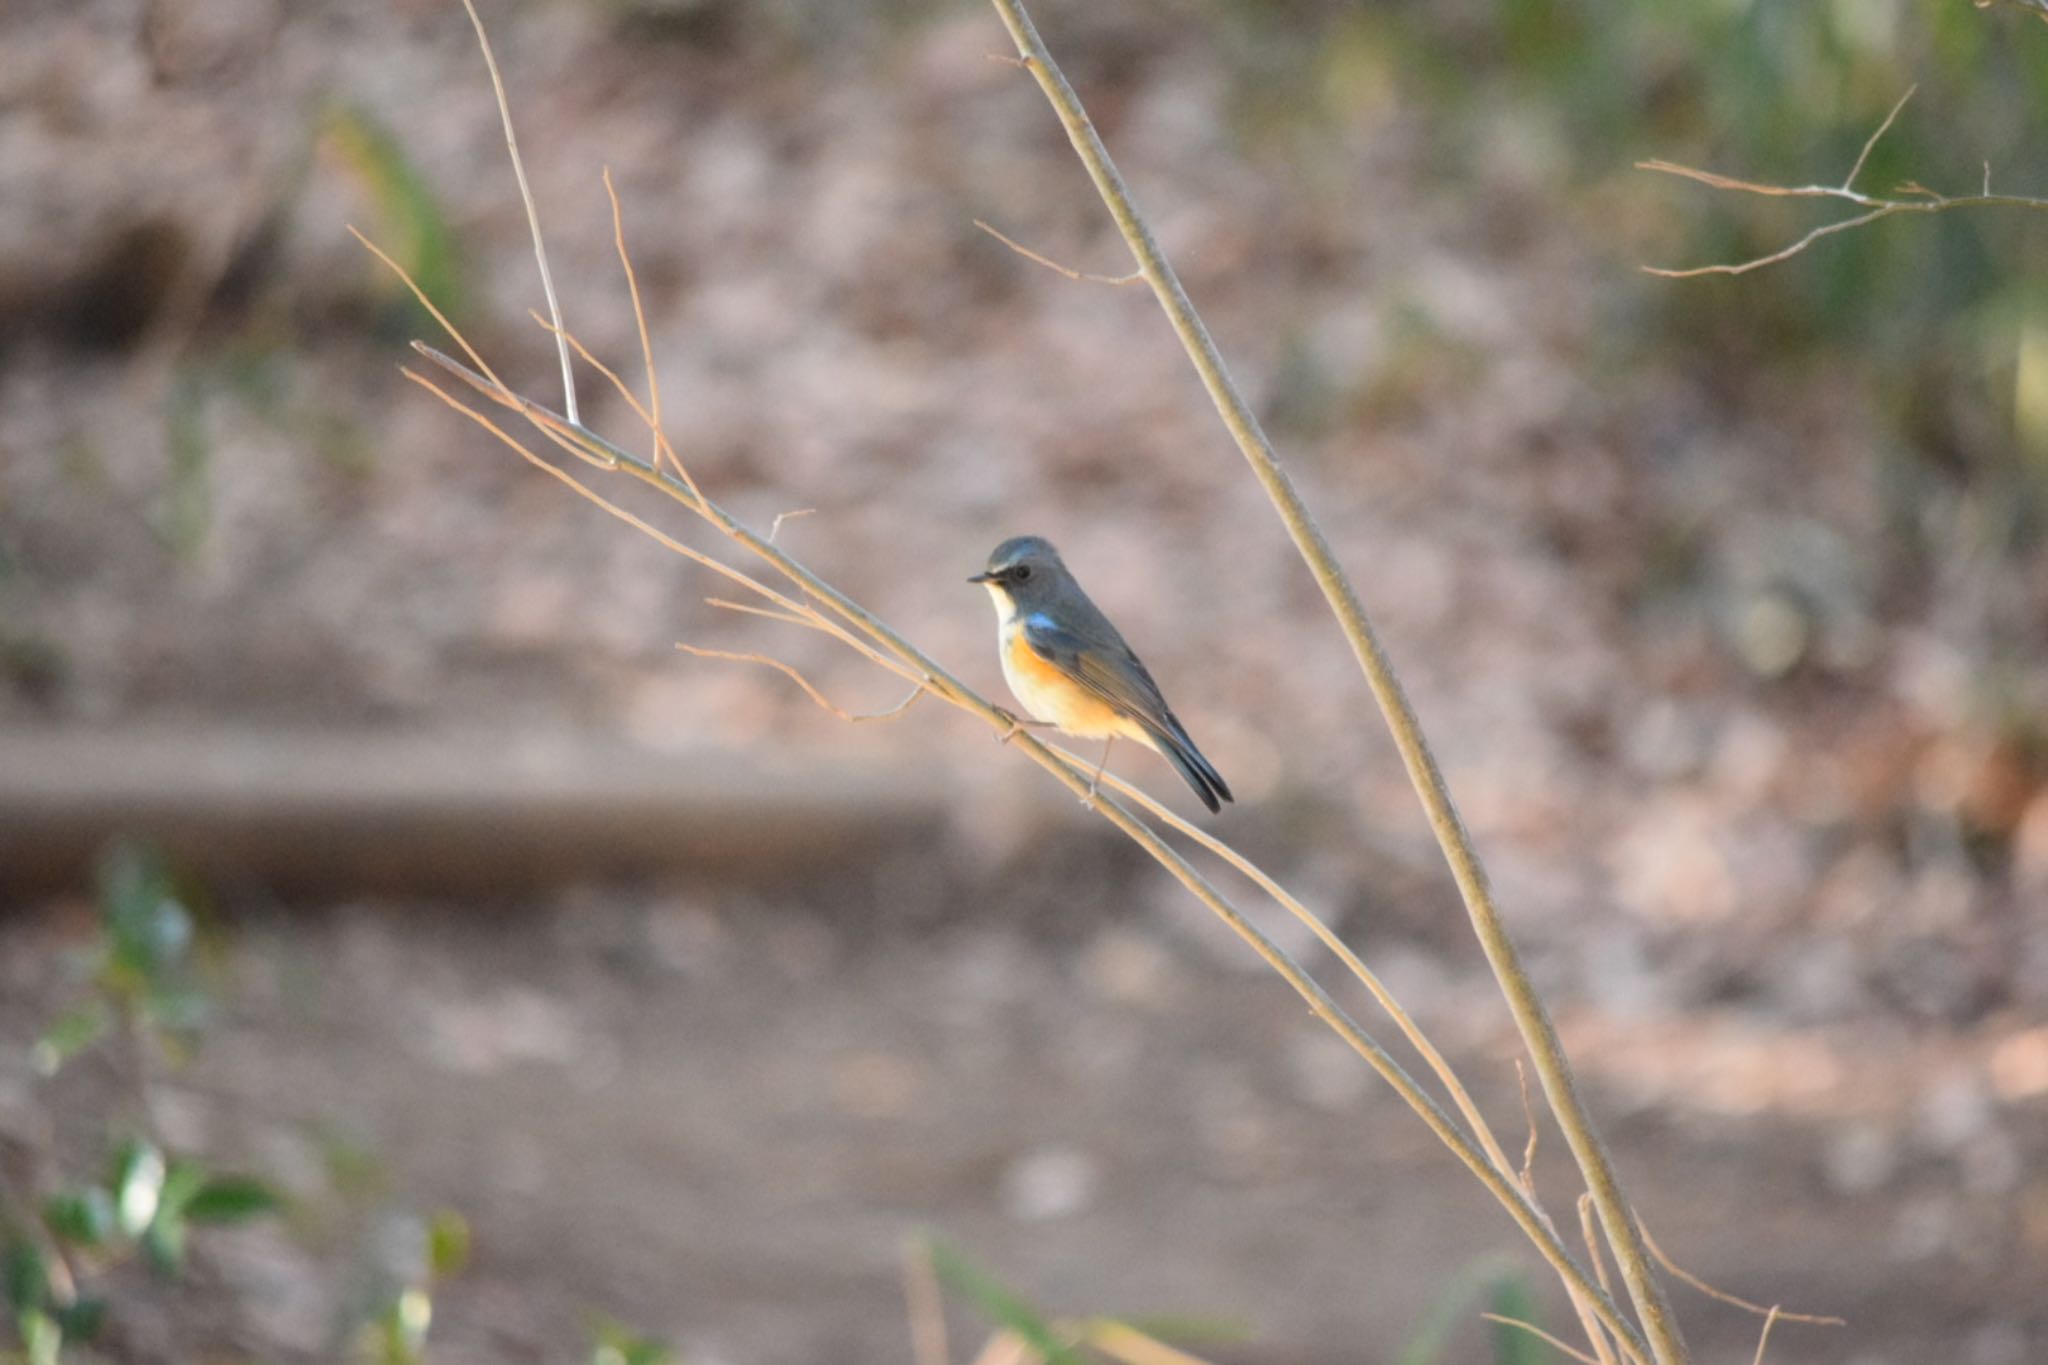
x=1072, y=670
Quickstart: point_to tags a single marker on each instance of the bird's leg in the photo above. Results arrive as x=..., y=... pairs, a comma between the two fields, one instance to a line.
x=1100, y=768
x=1016, y=723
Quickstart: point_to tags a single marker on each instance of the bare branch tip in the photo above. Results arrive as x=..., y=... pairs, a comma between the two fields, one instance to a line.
x=1763, y=1339
x=775, y=526
x=1081, y=275
x=1533, y=1330
x=790, y=672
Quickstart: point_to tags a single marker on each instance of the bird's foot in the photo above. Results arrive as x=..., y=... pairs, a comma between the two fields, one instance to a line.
x=1016, y=723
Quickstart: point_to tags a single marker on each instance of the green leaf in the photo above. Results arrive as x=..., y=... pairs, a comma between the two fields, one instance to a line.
x=1453, y=1305
x=1000, y=1306
x=1512, y=1345
x=41, y=1337
x=72, y=1033
x=150, y=928
x=409, y=217
x=618, y=1344
x=447, y=1244
x=27, y=1278
x=186, y=517
x=164, y=1242
x=138, y=1185
x=231, y=1199
x=83, y=1217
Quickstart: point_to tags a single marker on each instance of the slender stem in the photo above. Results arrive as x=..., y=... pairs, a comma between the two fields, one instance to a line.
x=540, y=253
x=1533, y=1021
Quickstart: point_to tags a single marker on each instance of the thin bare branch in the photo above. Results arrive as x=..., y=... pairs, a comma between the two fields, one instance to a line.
x=775, y=526
x=1922, y=200
x=1715, y=180
x=1849, y=180
x=1744, y=267
x=433, y=309
x=1596, y=1332
x=1364, y=975
x=1528, y=1113
x=1537, y=1332
x=1763, y=1338
x=540, y=252
x=640, y=323
x=1587, y=1304
x=805, y=683
x=687, y=551
x=809, y=621
x=1028, y=254
x=1591, y=1232
x=1696, y=1282
x=589, y=444
x=640, y=411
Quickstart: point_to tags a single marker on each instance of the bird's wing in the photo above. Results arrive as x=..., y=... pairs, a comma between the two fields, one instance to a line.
x=1110, y=671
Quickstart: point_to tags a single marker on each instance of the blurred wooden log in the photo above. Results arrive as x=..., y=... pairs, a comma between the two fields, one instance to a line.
x=328, y=810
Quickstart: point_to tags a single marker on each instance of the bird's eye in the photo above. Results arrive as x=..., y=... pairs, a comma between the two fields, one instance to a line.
x=1021, y=572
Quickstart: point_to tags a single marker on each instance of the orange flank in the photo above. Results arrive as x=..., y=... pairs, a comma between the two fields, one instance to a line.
x=1049, y=694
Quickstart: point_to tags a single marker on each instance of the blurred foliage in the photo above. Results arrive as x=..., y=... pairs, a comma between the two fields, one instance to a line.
x=1492, y=1283
x=1087, y=1341
x=139, y=971
x=1495, y=1283
x=618, y=1344
x=409, y=222
x=1004, y=1309
x=394, y=1332
x=66, y=1241
x=60, y=1244
x=186, y=514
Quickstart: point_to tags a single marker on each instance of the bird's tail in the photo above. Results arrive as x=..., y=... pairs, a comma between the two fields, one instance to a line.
x=1174, y=745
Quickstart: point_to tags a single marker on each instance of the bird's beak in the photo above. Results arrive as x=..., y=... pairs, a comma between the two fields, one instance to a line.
x=983, y=578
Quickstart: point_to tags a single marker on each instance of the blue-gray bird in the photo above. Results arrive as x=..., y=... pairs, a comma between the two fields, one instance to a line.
x=1072, y=670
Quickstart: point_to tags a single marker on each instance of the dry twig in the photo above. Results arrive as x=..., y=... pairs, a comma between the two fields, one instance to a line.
x=1763, y=1338
x=540, y=254
x=1533, y=1330
x=1028, y=254
x=810, y=691
x=1528, y=1112
x=1775, y=1311
x=775, y=526
x=1919, y=199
